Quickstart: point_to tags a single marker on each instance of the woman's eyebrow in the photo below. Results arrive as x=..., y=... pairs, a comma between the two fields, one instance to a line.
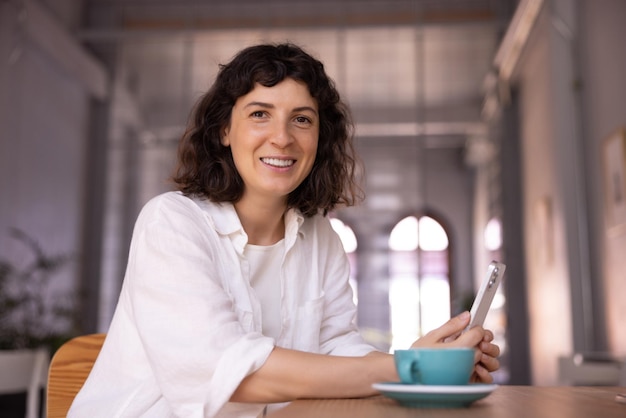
x=271, y=106
x=261, y=104
x=305, y=108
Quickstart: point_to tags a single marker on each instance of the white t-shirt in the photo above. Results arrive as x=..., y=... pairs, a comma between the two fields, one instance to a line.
x=265, y=261
x=187, y=328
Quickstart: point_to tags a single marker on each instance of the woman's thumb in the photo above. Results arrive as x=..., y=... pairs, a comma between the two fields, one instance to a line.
x=453, y=327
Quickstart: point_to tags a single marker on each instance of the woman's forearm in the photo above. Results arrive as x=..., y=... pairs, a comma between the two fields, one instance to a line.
x=290, y=374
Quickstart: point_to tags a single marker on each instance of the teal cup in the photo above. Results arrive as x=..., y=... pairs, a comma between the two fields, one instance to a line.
x=435, y=366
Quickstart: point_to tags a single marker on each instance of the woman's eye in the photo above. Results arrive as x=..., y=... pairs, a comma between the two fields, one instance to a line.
x=303, y=119
x=258, y=114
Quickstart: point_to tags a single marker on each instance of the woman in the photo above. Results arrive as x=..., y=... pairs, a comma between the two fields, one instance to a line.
x=236, y=293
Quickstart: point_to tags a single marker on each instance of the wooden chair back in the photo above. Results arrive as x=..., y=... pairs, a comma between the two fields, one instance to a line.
x=69, y=368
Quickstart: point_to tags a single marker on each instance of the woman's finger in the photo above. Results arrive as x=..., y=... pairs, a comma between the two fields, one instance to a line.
x=488, y=337
x=490, y=349
x=452, y=327
x=491, y=364
x=481, y=375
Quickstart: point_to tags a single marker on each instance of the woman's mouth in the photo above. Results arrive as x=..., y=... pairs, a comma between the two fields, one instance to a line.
x=277, y=162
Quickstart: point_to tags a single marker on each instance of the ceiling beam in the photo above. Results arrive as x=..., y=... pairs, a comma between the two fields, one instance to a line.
x=150, y=20
x=45, y=31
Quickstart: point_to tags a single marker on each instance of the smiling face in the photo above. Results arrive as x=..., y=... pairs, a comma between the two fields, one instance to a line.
x=273, y=136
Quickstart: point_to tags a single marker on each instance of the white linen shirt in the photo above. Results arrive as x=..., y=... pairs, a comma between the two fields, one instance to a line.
x=187, y=327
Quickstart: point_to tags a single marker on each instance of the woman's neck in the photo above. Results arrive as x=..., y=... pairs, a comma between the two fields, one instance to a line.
x=264, y=222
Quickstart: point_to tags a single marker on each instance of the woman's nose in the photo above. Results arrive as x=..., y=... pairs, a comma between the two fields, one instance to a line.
x=281, y=135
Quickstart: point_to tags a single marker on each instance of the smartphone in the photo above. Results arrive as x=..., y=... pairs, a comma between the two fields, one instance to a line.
x=484, y=297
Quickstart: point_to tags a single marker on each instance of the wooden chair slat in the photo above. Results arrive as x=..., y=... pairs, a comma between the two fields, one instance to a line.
x=69, y=368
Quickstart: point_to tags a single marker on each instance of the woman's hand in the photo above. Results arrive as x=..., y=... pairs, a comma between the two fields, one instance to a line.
x=486, y=360
x=451, y=334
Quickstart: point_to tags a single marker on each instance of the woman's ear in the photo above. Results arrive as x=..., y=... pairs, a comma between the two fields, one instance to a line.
x=224, y=137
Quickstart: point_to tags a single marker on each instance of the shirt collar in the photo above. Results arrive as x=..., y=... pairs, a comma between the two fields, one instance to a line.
x=293, y=227
x=224, y=219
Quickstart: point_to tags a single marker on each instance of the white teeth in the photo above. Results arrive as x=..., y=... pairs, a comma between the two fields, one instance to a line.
x=278, y=163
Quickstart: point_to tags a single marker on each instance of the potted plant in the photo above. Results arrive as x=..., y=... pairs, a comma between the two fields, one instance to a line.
x=31, y=315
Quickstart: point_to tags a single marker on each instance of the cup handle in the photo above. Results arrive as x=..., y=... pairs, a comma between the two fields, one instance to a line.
x=415, y=372
x=409, y=372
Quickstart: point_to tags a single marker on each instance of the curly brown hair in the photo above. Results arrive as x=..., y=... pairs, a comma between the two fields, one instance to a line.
x=206, y=167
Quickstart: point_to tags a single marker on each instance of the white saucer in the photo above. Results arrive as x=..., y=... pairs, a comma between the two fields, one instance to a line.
x=430, y=396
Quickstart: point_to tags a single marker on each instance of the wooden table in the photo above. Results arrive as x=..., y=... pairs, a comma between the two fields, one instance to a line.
x=504, y=402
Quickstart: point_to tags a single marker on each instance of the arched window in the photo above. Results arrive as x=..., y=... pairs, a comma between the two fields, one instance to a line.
x=419, y=288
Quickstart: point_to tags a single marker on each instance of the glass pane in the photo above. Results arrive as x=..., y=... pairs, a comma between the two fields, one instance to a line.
x=404, y=299
x=403, y=236
x=432, y=236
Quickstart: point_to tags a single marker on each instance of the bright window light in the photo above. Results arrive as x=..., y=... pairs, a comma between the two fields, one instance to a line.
x=493, y=234
x=408, y=234
x=404, y=297
x=435, y=303
x=348, y=239
x=432, y=236
x=403, y=236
